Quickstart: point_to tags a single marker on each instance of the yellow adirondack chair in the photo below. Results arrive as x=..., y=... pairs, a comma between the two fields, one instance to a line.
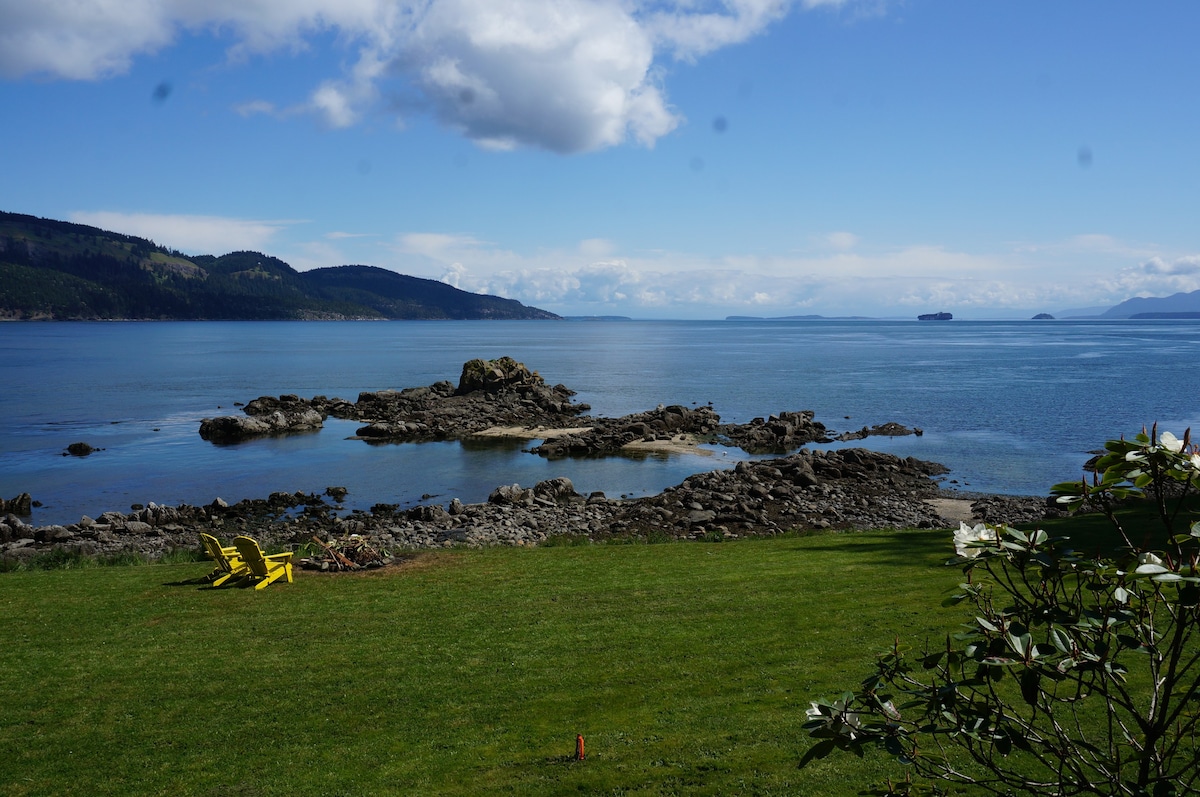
x=229, y=562
x=263, y=569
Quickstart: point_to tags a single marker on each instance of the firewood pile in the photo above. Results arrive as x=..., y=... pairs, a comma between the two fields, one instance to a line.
x=346, y=553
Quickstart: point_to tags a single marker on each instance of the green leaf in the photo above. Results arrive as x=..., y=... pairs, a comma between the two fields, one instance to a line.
x=1020, y=643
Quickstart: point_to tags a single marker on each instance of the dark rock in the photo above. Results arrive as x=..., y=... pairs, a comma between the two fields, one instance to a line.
x=780, y=433
x=510, y=494
x=556, y=490
x=21, y=505
x=889, y=429
x=264, y=416
x=491, y=393
x=494, y=375
x=609, y=435
x=80, y=449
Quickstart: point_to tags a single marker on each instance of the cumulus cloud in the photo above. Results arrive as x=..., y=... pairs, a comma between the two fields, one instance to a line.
x=212, y=235
x=561, y=75
x=1156, y=277
x=904, y=281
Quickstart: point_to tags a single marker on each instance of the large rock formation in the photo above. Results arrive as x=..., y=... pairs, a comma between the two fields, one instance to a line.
x=490, y=393
x=264, y=416
x=504, y=393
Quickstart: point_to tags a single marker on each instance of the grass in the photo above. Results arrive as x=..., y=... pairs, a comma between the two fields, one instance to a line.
x=687, y=667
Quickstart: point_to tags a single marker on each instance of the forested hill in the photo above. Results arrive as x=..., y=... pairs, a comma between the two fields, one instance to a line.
x=58, y=270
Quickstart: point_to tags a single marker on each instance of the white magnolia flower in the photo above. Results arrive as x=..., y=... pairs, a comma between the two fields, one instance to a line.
x=1149, y=559
x=1195, y=460
x=971, y=534
x=1170, y=442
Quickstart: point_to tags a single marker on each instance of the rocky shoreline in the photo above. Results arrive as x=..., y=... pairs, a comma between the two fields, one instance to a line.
x=803, y=490
x=806, y=491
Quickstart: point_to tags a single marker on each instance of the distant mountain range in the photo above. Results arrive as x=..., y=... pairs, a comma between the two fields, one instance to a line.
x=1179, y=305
x=58, y=270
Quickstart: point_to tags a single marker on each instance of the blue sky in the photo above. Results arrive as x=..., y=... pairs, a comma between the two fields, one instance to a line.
x=650, y=158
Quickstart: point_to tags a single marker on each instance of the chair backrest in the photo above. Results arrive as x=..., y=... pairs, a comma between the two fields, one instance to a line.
x=214, y=549
x=251, y=554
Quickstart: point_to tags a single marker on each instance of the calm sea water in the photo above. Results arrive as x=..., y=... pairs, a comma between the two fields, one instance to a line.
x=1010, y=407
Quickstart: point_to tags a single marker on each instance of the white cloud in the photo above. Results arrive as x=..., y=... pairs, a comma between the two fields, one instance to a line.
x=337, y=236
x=210, y=235
x=255, y=108
x=79, y=40
x=690, y=33
x=595, y=278
x=1156, y=277
x=562, y=75
x=454, y=274
x=437, y=246
x=336, y=104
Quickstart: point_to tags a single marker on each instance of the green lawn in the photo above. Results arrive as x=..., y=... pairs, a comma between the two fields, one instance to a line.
x=687, y=667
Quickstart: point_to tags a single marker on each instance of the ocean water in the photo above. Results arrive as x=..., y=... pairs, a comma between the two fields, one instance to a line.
x=1009, y=407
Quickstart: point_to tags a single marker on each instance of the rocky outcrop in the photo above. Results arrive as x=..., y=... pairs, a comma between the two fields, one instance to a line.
x=609, y=435
x=504, y=393
x=493, y=376
x=777, y=434
x=21, y=505
x=888, y=429
x=490, y=393
x=264, y=416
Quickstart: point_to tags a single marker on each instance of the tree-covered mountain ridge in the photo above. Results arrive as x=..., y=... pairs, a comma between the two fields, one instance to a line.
x=57, y=270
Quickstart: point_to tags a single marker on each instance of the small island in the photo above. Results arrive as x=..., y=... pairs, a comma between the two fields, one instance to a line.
x=936, y=317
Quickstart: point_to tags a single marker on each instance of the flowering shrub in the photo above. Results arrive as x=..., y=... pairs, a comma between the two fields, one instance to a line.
x=1077, y=674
